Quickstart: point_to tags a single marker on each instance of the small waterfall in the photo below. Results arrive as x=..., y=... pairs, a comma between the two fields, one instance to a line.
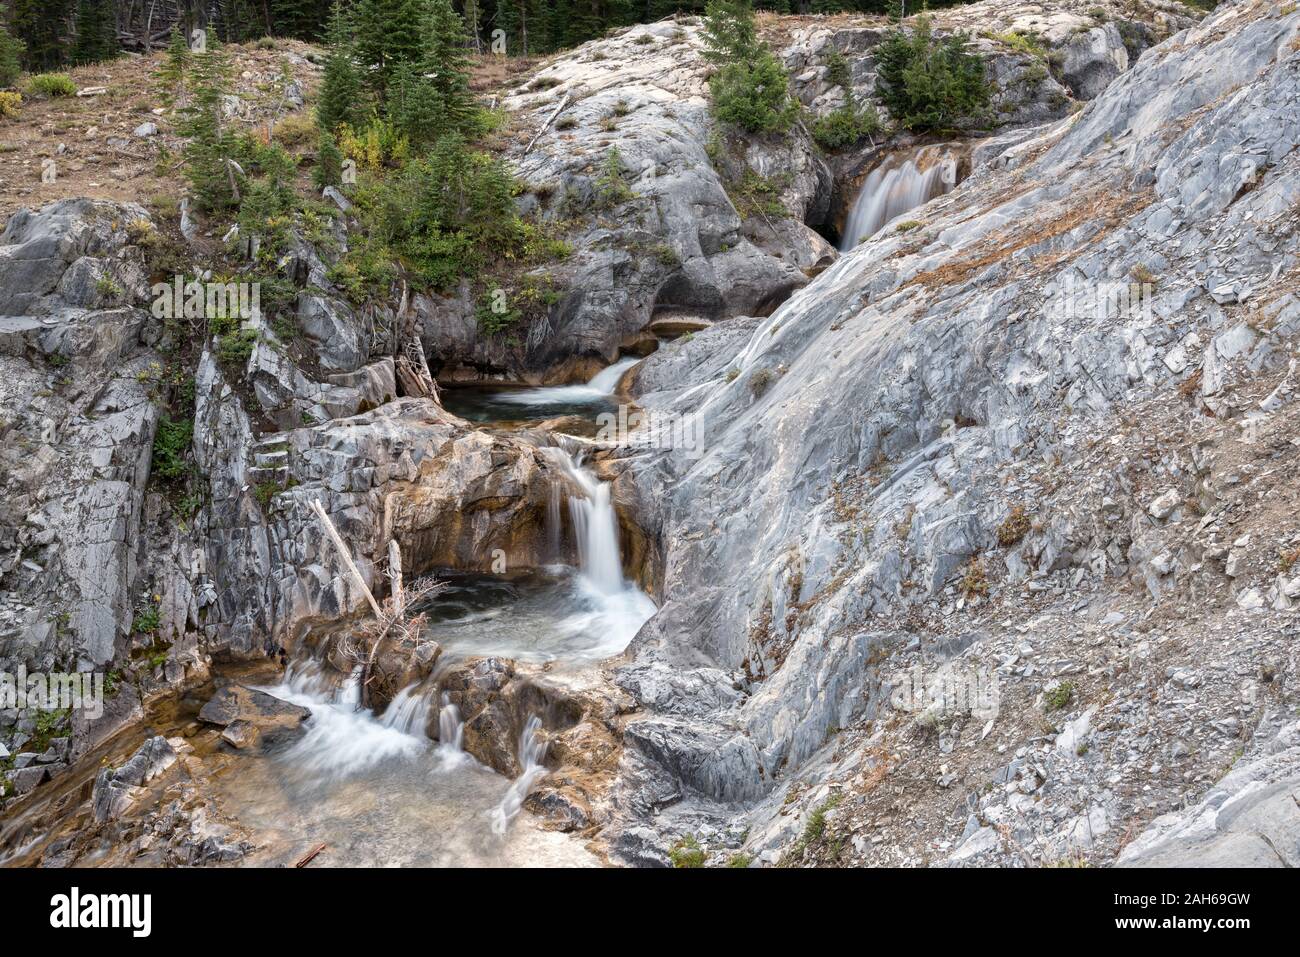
x=898, y=184
x=451, y=729
x=532, y=752
x=601, y=386
x=341, y=738
x=408, y=712
x=596, y=525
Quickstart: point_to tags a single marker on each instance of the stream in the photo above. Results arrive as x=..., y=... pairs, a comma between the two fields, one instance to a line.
x=378, y=789
x=375, y=788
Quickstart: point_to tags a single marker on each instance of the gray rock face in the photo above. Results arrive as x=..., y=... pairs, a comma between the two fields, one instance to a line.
x=116, y=790
x=331, y=325
x=1251, y=818
x=406, y=469
x=1075, y=49
x=77, y=426
x=680, y=242
x=854, y=440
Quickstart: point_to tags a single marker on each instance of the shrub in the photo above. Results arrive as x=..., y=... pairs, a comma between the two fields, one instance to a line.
x=975, y=582
x=52, y=84
x=10, y=104
x=171, y=440
x=329, y=162
x=1059, y=697
x=451, y=212
x=1014, y=528
x=846, y=126
x=929, y=83
x=294, y=130
x=611, y=191
x=751, y=88
x=687, y=853
x=754, y=96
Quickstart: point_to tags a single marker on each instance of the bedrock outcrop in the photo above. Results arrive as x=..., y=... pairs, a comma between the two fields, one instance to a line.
x=907, y=448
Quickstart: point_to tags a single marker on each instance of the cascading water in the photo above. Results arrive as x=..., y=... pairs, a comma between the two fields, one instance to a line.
x=342, y=738
x=615, y=608
x=532, y=754
x=900, y=183
x=601, y=386
x=451, y=729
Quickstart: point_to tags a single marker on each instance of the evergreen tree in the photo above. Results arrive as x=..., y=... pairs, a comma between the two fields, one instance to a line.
x=930, y=83
x=209, y=145
x=751, y=88
x=430, y=98
x=730, y=33
x=389, y=33
x=96, y=34
x=41, y=25
x=329, y=162
x=341, y=98
x=304, y=19
x=446, y=63
x=11, y=52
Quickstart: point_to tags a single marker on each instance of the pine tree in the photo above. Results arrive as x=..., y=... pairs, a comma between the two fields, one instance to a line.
x=388, y=33
x=446, y=62
x=341, y=98
x=11, y=52
x=209, y=144
x=41, y=26
x=329, y=162
x=304, y=19
x=96, y=35
x=730, y=33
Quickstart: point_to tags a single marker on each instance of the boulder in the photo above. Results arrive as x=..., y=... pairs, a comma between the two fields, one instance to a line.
x=249, y=715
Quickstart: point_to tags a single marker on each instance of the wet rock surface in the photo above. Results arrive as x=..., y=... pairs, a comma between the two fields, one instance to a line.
x=945, y=452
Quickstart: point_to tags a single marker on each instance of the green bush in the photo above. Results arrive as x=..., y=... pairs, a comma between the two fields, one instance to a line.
x=845, y=127
x=450, y=213
x=687, y=853
x=51, y=84
x=754, y=96
x=929, y=83
x=171, y=440
x=751, y=88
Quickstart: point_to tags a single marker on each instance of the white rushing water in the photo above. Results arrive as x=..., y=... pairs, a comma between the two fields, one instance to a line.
x=342, y=738
x=615, y=607
x=532, y=754
x=900, y=183
x=601, y=385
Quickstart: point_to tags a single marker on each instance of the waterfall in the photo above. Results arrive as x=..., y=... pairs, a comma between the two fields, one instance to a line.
x=596, y=525
x=898, y=184
x=451, y=729
x=601, y=386
x=341, y=738
x=408, y=712
x=532, y=752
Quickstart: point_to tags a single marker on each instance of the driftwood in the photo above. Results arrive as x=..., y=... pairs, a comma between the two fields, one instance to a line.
x=361, y=646
x=346, y=555
x=547, y=125
x=309, y=856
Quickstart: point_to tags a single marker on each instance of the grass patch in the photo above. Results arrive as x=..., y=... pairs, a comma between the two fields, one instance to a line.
x=1059, y=697
x=687, y=853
